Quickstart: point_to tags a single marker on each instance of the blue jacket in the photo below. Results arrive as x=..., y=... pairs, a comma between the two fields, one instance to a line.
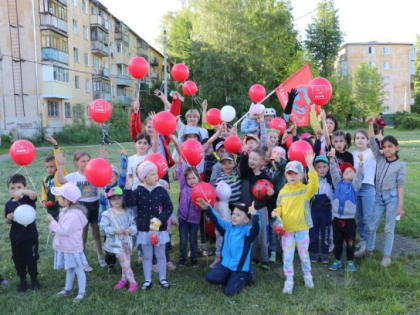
x=250, y=126
x=237, y=241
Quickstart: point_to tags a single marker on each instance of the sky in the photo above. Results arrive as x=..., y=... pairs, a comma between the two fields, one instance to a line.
x=360, y=20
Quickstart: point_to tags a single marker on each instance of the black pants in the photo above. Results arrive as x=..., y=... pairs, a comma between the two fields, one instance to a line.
x=344, y=230
x=25, y=256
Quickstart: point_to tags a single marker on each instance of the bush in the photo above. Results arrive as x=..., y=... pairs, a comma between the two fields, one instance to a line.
x=6, y=141
x=79, y=133
x=405, y=120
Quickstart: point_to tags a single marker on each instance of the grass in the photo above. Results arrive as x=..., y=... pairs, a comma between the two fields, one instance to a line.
x=395, y=290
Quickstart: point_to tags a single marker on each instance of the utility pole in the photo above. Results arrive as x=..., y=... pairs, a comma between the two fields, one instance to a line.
x=165, y=67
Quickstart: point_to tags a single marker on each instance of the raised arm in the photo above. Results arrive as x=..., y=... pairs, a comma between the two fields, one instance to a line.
x=204, y=112
x=335, y=175
x=60, y=168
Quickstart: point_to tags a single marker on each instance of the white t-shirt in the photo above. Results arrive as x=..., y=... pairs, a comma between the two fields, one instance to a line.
x=89, y=192
x=369, y=165
x=133, y=162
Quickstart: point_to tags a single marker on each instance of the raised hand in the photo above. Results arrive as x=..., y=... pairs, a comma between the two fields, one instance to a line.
x=251, y=209
x=370, y=120
x=51, y=140
x=309, y=158
x=331, y=154
x=203, y=204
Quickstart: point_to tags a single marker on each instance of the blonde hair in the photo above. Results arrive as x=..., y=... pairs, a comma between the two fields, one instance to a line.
x=191, y=112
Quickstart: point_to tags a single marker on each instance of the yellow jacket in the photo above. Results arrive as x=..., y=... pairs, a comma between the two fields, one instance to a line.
x=293, y=204
x=44, y=196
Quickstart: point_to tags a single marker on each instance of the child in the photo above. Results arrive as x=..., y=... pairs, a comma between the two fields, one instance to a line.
x=367, y=192
x=23, y=239
x=389, y=183
x=341, y=143
x=223, y=193
x=344, y=209
x=330, y=125
x=68, y=238
x=234, y=270
x=250, y=124
x=89, y=199
x=293, y=209
x=269, y=115
x=143, y=144
x=119, y=227
x=188, y=214
x=321, y=213
x=153, y=202
x=230, y=175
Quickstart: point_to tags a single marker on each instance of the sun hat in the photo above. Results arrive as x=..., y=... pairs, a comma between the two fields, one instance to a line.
x=69, y=191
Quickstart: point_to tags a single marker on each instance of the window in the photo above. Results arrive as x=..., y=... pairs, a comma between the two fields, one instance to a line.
x=75, y=3
x=54, y=40
x=85, y=33
x=372, y=64
x=86, y=55
x=386, y=65
x=386, y=80
x=60, y=74
x=76, y=55
x=75, y=27
x=96, y=62
x=58, y=10
x=113, y=91
x=371, y=50
x=84, y=6
x=52, y=109
x=386, y=51
x=67, y=110
x=87, y=85
x=344, y=68
x=77, y=82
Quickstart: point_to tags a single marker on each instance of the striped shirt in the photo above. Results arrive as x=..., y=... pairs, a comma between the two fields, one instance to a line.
x=234, y=181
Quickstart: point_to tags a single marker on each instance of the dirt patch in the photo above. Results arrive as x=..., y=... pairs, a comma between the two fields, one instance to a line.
x=402, y=245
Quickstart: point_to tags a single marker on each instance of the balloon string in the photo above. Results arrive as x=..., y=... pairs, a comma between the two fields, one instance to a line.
x=20, y=168
x=32, y=183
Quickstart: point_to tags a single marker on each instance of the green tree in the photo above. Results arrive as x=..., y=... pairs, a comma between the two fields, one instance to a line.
x=368, y=90
x=342, y=103
x=324, y=37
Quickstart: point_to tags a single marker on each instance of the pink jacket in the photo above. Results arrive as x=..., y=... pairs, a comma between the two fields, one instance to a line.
x=68, y=231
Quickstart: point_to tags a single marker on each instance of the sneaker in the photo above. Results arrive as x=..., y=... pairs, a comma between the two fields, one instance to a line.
x=265, y=266
x=170, y=265
x=194, y=263
x=87, y=268
x=102, y=261
x=335, y=265
x=288, y=287
x=181, y=262
x=351, y=266
x=273, y=257
x=120, y=285
x=215, y=262
x=309, y=283
x=23, y=286
x=314, y=258
x=386, y=261
x=35, y=285
x=63, y=293
x=361, y=251
x=155, y=268
x=133, y=287
x=78, y=298
x=325, y=259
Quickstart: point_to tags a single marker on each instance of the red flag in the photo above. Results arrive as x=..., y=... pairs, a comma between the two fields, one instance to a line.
x=301, y=106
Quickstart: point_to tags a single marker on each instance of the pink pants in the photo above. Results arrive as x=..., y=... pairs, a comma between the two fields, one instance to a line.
x=289, y=242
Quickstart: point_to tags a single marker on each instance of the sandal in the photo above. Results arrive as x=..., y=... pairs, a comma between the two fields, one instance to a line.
x=146, y=285
x=165, y=284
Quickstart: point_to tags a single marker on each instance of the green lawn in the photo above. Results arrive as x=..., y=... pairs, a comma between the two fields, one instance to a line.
x=372, y=289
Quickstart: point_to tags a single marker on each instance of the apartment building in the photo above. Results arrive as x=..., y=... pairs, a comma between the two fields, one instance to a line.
x=394, y=61
x=57, y=56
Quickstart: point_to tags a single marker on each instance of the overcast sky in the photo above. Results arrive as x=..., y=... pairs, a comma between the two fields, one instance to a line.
x=360, y=20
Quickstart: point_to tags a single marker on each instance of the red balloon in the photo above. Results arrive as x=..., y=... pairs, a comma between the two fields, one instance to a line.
x=192, y=152
x=233, y=144
x=154, y=239
x=213, y=116
x=98, y=172
x=289, y=141
x=204, y=191
x=22, y=152
x=160, y=163
x=278, y=124
x=260, y=189
x=189, y=88
x=319, y=91
x=138, y=67
x=180, y=72
x=298, y=150
x=100, y=110
x=256, y=93
x=164, y=123
x=279, y=230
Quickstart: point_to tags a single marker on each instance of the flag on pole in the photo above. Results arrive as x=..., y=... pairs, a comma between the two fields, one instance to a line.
x=302, y=104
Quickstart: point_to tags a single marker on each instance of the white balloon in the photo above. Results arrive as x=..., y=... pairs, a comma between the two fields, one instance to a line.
x=228, y=113
x=24, y=214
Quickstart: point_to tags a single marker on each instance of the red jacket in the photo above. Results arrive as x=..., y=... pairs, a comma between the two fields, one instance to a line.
x=135, y=124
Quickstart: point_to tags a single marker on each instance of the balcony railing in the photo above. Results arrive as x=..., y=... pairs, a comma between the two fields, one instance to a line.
x=125, y=100
x=63, y=1
x=56, y=89
x=155, y=62
x=103, y=72
x=99, y=48
x=103, y=95
x=100, y=21
x=122, y=36
x=123, y=80
x=48, y=20
x=49, y=53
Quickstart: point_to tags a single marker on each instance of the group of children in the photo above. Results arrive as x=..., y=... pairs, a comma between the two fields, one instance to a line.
x=321, y=202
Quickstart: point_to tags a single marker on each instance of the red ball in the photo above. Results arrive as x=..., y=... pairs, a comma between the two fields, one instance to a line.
x=180, y=72
x=192, y=152
x=279, y=230
x=256, y=93
x=203, y=191
x=160, y=163
x=233, y=144
x=213, y=116
x=260, y=189
x=138, y=67
x=319, y=91
x=98, y=172
x=154, y=239
x=298, y=150
x=278, y=124
x=22, y=152
x=164, y=123
x=189, y=88
x=100, y=110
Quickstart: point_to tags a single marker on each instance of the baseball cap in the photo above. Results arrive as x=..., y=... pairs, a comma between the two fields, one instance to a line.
x=295, y=167
x=114, y=191
x=227, y=156
x=69, y=191
x=219, y=145
x=321, y=158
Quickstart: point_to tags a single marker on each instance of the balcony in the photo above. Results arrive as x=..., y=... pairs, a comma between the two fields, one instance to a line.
x=124, y=100
x=142, y=52
x=56, y=89
x=155, y=62
x=122, y=36
x=49, y=53
x=123, y=80
x=101, y=72
x=99, y=48
x=51, y=21
x=102, y=95
x=99, y=21
x=63, y=2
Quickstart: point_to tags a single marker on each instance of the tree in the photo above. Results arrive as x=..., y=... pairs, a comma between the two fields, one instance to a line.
x=324, y=37
x=416, y=107
x=368, y=90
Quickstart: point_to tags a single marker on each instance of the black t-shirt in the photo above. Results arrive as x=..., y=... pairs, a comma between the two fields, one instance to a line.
x=345, y=157
x=18, y=232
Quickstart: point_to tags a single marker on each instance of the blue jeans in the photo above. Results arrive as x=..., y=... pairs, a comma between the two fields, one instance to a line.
x=234, y=281
x=365, y=207
x=188, y=231
x=322, y=226
x=385, y=203
x=272, y=237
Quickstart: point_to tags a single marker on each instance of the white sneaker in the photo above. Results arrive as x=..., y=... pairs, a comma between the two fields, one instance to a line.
x=78, y=298
x=273, y=257
x=309, y=283
x=87, y=268
x=288, y=287
x=386, y=261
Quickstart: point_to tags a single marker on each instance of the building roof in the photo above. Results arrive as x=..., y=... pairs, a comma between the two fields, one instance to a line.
x=374, y=43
